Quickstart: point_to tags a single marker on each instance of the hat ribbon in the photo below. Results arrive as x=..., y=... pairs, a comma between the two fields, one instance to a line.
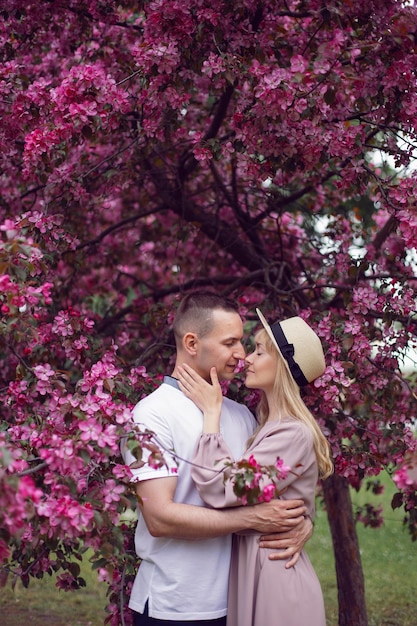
x=287, y=351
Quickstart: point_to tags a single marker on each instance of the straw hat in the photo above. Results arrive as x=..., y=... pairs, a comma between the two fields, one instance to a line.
x=300, y=347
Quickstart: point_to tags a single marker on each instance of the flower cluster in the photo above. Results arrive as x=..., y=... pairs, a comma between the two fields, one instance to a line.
x=253, y=482
x=405, y=476
x=370, y=515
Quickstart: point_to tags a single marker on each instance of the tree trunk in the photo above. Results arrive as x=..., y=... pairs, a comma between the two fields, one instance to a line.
x=350, y=580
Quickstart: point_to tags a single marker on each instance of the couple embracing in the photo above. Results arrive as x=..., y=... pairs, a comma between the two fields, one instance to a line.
x=204, y=555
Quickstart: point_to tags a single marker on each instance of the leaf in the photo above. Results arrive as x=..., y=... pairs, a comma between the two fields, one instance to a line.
x=329, y=96
x=397, y=500
x=347, y=343
x=74, y=568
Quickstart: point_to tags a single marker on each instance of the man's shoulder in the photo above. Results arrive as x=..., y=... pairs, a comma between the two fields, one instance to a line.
x=154, y=401
x=164, y=403
x=238, y=407
x=157, y=395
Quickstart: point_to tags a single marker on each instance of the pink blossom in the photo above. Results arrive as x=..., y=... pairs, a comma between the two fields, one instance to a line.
x=90, y=430
x=213, y=65
x=27, y=490
x=44, y=373
x=66, y=513
x=298, y=63
x=282, y=469
x=402, y=478
x=202, y=153
x=268, y=492
x=6, y=284
x=112, y=491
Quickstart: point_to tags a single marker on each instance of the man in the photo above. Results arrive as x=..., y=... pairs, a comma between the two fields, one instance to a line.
x=183, y=545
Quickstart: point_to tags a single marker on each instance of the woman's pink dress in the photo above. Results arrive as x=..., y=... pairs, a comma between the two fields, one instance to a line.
x=263, y=592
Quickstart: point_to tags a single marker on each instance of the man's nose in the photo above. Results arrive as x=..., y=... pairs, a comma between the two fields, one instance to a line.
x=239, y=353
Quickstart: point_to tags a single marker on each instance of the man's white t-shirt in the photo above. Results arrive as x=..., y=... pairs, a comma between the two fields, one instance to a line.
x=182, y=579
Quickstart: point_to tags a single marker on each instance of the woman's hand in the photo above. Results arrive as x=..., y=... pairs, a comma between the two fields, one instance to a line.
x=208, y=397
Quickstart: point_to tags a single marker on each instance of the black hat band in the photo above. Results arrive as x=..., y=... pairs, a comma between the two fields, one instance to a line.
x=287, y=351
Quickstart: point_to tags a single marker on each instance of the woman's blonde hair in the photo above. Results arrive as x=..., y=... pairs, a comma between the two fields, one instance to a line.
x=290, y=403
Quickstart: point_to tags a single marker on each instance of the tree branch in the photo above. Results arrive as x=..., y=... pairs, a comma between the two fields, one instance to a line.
x=188, y=163
x=113, y=228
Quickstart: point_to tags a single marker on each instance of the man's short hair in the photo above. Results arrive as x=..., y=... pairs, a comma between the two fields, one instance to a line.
x=195, y=313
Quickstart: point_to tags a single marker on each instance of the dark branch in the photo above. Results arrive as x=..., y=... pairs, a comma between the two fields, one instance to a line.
x=188, y=163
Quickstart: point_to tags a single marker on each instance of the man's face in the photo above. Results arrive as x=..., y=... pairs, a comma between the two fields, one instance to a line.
x=222, y=347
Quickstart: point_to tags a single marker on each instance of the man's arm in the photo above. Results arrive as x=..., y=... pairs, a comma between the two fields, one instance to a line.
x=166, y=518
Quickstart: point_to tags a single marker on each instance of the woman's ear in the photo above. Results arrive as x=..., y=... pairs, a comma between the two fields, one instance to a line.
x=190, y=342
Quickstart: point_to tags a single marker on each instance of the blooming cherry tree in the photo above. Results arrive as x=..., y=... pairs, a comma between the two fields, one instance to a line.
x=263, y=149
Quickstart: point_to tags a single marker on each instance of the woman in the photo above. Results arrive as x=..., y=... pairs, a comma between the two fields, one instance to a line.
x=287, y=355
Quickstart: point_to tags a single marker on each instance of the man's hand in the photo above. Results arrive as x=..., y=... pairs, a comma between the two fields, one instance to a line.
x=290, y=543
x=276, y=516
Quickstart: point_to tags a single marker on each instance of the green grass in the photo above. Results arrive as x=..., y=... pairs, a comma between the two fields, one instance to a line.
x=42, y=604
x=389, y=560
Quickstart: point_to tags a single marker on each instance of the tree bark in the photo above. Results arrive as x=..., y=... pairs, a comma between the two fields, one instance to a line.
x=349, y=573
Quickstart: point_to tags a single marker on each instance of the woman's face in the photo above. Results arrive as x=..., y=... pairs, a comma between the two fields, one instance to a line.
x=261, y=367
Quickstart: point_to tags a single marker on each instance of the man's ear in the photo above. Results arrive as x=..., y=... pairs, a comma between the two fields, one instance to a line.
x=190, y=342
